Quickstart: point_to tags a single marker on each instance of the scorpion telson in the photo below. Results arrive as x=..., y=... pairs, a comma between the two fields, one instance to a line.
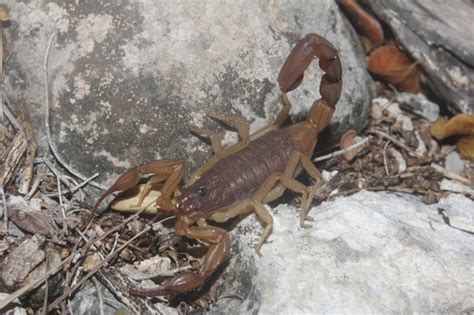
x=245, y=176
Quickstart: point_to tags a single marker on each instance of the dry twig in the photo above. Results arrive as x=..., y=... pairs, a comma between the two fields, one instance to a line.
x=384, y=152
x=96, y=268
x=340, y=152
x=451, y=175
x=395, y=141
x=99, y=295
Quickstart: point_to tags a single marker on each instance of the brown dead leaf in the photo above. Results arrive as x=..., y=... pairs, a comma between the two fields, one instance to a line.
x=411, y=83
x=394, y=67
x=363, y=21
x=348, y=139
x=461, y=125
x=466, y=147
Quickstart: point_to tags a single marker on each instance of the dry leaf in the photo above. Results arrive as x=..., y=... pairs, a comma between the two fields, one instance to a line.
x=411, y=83
x=363, y=21
x=466, y=147
x=348, y=139
x=460, y=125
x=394, y=67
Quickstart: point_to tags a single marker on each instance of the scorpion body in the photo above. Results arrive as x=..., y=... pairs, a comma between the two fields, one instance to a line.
x=244, y=176
x=222, y=186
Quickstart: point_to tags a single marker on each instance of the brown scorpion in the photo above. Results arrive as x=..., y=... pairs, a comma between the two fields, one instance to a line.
x=244, y=176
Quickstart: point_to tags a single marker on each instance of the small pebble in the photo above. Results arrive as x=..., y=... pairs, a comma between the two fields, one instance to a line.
x=419, y=105
x=405, y=123
x=327, y=176
x=453, y=163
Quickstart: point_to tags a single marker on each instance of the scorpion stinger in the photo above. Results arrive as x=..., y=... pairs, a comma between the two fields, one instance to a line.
x=245, y=176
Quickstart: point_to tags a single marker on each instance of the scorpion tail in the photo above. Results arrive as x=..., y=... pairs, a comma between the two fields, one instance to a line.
x=292, y=72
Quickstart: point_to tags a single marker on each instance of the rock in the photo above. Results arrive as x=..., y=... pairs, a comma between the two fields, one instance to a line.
x=454, y=210
x=21, y=261
x=419, y=105
x=327, y=176
x=405, y=123
x=453, y=163
x=26, y=264
x=126, y=78
x=367, y=253
x=376, y=111
x=436, y=34
x=421, y=148
x=86, y=301
x=392, y=108
x=455, y=186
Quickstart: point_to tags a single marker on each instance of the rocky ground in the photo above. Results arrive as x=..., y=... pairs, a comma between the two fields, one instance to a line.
x=108, y=85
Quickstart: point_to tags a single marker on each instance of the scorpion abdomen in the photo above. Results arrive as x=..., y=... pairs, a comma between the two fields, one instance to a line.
x=238, y=176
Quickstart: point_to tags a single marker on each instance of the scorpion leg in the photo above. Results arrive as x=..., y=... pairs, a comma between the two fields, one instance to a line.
x=216, y=140
x=235, y=210
x=276, y=184
x=243, y=207
x=219, y=152
x=217, y=254
x=242, y=126
x=170, y=170
x=214, y=159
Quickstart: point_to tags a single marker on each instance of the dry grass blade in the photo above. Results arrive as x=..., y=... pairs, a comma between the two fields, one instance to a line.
x=451, y=175
x=48, y=132
x=341, y=152
x=119, y=285
x=4, y=17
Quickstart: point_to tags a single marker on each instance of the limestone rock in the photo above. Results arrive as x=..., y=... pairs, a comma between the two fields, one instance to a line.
x=418, y=104
x=127, y=77
x=367, y=253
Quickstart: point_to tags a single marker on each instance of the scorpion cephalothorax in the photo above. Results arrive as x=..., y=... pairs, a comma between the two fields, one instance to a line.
x=244, y=176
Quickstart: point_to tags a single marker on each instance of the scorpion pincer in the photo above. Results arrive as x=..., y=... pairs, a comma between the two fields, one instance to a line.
x=245, y=176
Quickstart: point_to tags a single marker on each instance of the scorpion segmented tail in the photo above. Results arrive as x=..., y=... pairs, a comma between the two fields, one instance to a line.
x=292, y=73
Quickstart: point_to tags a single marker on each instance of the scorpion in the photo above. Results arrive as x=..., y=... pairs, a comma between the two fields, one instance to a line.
x=245, y=176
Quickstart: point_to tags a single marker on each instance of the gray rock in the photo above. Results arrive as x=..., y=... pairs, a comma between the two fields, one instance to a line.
x=438, y=34
x=455, y=186
x=419, y=105
x=453, y=163
x=127, y=77
x=367, y=253
x=86, y=301
x=21, y=261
